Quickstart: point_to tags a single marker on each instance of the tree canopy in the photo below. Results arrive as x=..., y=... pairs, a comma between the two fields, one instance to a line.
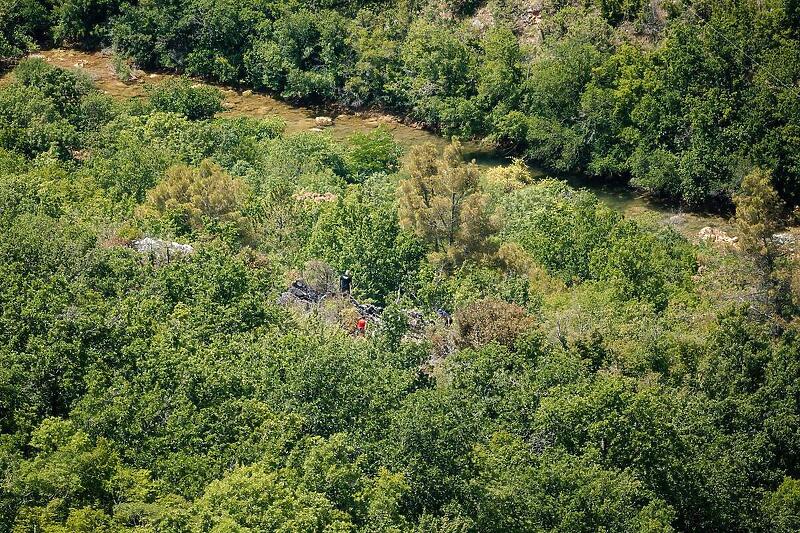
x=681, y=99
x=176, y=353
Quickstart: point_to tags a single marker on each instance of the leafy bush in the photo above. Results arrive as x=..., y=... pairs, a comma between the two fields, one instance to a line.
x=31, y=123
x=65, y=88
x=352, y=234
x=370, y=153
x=181, y=95
x=22, y=24
x=122, y=68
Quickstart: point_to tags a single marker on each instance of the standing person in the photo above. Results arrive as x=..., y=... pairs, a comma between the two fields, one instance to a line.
x=444, y=315
x=345, y=281
x=361, y=327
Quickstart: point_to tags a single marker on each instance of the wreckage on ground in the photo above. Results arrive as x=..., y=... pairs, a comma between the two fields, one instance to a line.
x=303, y=295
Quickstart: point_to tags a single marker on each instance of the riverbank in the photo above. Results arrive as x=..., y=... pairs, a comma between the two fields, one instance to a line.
x=628, y=200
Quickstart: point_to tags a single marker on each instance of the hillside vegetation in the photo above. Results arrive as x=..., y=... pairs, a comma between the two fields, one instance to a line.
x=599, y=373
x=681, y=98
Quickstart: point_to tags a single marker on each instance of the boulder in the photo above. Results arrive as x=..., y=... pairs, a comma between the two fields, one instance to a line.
x=300, y=294
x=678, y=219
x=323, y=122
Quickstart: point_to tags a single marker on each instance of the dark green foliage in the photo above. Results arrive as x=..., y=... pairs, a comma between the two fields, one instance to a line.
x=681, y=102
x=601, y=372
x=303, y=56
x=83, y=22
x=181, y=95
x=31, y=123
x=44, y=108
x=782, y=506
x=578, y=238
x=22, y=24
x=64, y=87
x=365, y=238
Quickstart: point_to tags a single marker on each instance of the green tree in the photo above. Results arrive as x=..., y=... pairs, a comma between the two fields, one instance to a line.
x=353, y=234
x=69, y=471
x=520, y=489
x=83, y=22
x=782, y=507
x=22, y=24
x=65, y=88
x=759, y=212
x=254, y=497
x=32, y=125
x=193, y=196
x=372, y=152
x=441, y=203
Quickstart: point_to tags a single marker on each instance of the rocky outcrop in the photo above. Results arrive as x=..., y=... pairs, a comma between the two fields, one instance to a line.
x=483, y=19
x=716, y=236
x=160, y=250
x=787, y=239
x=300, y=293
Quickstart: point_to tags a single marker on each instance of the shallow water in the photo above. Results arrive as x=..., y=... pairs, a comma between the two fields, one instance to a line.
x=622, y=198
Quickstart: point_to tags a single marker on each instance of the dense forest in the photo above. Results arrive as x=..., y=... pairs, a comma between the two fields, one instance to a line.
x=682, y=98
x=178, y=351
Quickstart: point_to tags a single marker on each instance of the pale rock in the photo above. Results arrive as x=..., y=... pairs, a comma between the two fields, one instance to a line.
x=716, y=235
x=160, y=248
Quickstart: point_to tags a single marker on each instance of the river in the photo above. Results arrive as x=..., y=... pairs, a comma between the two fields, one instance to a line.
x=622, y=198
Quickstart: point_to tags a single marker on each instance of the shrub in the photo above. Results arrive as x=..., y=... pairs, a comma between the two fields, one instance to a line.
x=66, y=88
x=372, y=152
x=31, y=124
x=180, y=95
x=122, y=68
x=508, y=178
x=490, y=319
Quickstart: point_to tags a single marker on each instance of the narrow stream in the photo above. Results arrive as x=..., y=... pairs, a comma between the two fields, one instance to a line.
x=237, y=103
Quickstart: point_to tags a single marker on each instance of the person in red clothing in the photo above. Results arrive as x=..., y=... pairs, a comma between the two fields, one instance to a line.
x=361, y=327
